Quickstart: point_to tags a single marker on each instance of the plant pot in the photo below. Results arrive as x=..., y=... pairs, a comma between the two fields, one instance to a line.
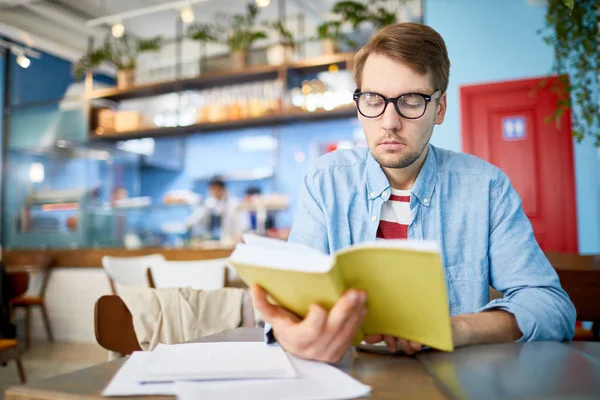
x=279, y=54
x=239, y=59
x=125, y=79
x=329, y=46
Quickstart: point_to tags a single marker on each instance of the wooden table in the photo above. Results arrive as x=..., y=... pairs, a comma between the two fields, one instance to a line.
x=392, y=377
x=431, y=376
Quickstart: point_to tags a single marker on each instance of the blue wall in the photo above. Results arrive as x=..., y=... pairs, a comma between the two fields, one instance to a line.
x=223, y=153
x=490, y=40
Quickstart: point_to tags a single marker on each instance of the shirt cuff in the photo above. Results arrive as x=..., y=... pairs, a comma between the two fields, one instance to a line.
x=525, y=320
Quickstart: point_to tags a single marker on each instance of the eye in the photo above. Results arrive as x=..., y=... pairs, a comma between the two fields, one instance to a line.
x=372, y=100
x=412, y=100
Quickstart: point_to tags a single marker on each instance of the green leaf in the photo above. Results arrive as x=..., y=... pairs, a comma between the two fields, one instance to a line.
x=569, y=3
x=572, y=30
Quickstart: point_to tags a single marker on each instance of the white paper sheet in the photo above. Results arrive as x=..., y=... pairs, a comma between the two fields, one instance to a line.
x=124, y=383
x=315, y=381
x=216, y=361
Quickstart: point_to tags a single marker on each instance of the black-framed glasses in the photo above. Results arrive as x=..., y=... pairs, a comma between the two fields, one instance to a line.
x=408, y=105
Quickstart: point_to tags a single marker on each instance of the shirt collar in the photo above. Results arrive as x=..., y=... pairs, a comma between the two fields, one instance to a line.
x=377, y=182
x=423, y=188
x=427, y=178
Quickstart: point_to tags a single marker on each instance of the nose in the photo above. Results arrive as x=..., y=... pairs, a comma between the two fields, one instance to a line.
x=390, y=119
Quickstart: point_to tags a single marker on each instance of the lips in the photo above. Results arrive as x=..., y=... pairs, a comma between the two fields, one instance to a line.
x=391, y=145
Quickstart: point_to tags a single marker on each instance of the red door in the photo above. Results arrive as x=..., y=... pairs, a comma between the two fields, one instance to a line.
x=504, y=124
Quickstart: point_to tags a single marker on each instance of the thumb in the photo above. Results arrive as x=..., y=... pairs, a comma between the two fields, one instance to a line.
x=372, y=339
x=268, y=311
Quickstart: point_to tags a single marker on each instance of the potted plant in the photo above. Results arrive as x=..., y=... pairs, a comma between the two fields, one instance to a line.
x=283, y=50
x=352, y=13
x=122, y=52
x=238, y=32
x=330, y=32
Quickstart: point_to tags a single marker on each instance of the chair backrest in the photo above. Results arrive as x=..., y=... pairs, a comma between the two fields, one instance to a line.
x=129, y=270
x=113, y=325
x=19, y=282
x=583, y=287
x=40, y=265
x=201, y=275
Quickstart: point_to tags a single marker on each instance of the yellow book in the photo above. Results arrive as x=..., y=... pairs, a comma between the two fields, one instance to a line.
x=404, y=281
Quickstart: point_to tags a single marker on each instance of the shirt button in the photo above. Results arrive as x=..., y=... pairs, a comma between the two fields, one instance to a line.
x=425, y=201
x=372, y=194
x=385, y=193
x=374, y=219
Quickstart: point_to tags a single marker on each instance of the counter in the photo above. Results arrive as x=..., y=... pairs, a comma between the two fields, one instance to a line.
x=92, y=258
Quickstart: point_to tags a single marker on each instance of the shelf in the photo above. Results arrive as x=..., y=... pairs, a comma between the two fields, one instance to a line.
x=270, y=120
x=212, y=79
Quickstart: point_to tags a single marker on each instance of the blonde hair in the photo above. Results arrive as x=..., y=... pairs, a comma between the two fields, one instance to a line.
x=418, y=45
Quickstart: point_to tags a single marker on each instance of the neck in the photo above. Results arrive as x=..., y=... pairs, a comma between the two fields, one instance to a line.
x=404, y=178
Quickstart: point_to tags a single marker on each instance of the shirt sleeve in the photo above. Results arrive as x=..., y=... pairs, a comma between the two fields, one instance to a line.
x=309, y=228
x=519, y=269
x=310, y=223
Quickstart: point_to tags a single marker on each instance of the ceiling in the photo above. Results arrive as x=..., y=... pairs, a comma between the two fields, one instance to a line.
x=59, y=26
x=63, y=21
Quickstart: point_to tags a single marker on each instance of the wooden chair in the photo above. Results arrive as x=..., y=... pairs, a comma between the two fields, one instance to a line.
x=113, y=323
x=41, y=265
x=129, y=270
x=583, y=287
x=113, y=326
x=9, y=350
x=200, y=275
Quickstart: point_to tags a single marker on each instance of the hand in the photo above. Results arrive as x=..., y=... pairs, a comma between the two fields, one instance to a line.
x=320, y=336
x=462, y=333
x=394, y=344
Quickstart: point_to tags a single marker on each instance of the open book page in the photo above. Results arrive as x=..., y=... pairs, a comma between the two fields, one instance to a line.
x=261, y=241
x=406, y=244
x=278, y=254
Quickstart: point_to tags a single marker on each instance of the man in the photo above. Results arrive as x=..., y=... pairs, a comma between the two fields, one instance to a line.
x=219, y=217
x=405, y=187
x=250, y=197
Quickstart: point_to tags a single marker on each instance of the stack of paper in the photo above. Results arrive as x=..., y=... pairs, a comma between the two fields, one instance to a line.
x=229, y=370
x=216, y=361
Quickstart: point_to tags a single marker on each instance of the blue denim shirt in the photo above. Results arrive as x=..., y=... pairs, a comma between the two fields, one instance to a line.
x=467, y=205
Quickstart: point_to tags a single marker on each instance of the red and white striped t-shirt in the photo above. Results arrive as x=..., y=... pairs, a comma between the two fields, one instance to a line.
x=395, y=216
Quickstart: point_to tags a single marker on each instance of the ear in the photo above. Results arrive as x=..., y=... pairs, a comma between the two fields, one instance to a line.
x=440, y=112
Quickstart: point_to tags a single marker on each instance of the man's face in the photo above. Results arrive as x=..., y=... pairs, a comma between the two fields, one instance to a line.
x=217, y=192
x=394, y=141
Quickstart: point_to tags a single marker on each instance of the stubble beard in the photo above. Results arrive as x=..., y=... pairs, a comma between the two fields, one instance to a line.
x=408, y=159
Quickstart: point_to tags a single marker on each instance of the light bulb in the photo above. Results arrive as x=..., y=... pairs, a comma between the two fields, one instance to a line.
x=118, y=30
x=36, y=173
x=187, y=14
x=23, y=61
x=263, y=3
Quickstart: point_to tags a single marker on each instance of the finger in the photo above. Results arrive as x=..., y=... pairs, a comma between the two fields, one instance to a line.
x=311, y=328
x=405, y=346
x=417, y=347
x=343, y=340
x=345, y=309
x=390, y=341
x=270, y=312
x=347, y=306
x=297, y=338
x=372, y=339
